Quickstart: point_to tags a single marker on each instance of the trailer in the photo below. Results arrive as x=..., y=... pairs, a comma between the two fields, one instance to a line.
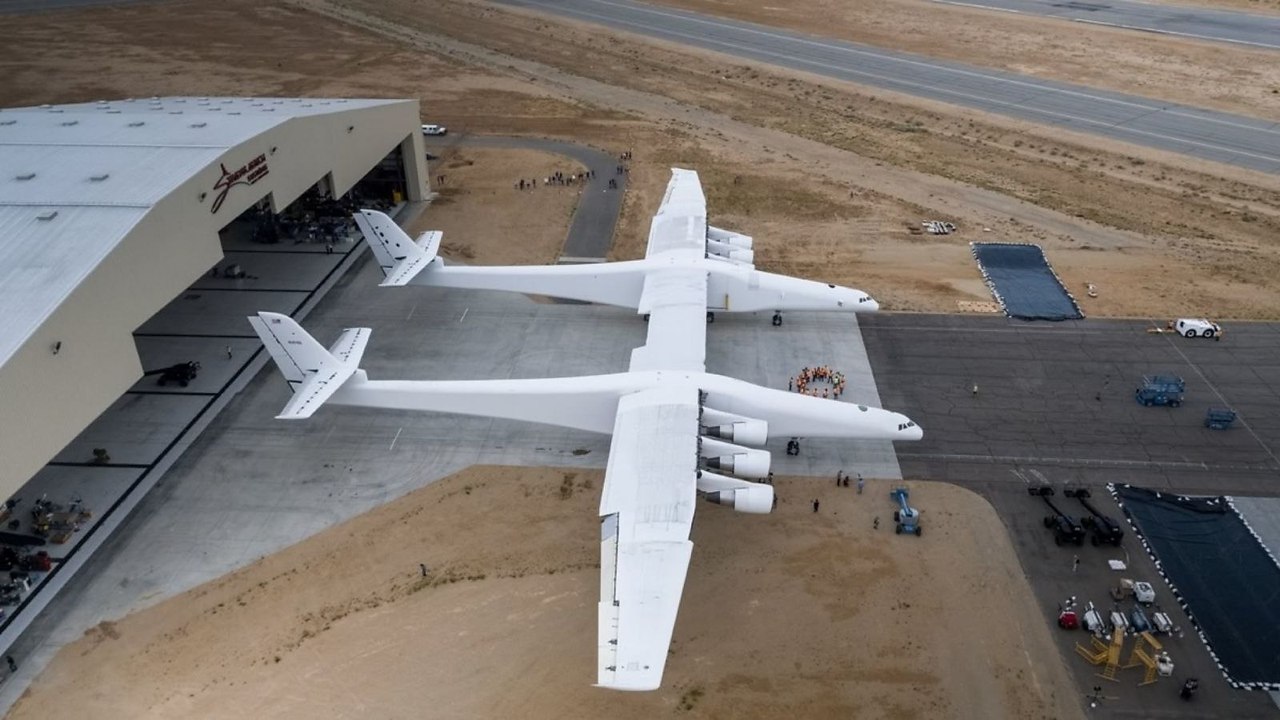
x=1065, y=528
x=1161, y=390
x=1104, y=528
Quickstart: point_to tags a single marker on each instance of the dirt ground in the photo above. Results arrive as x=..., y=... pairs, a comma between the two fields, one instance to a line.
x=531, y=226
x=787, y=615
x=830, y=179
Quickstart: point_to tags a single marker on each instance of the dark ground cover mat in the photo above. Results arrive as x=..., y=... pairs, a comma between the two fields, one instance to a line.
x=1023, y=283
x=1221, y=573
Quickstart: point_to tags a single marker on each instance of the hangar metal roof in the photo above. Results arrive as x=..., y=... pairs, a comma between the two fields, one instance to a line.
x=97, y=168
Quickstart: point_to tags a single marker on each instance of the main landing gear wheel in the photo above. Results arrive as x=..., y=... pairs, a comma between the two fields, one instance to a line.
x=777, y=319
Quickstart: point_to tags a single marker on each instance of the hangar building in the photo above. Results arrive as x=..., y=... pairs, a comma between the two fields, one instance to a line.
x=109, y=210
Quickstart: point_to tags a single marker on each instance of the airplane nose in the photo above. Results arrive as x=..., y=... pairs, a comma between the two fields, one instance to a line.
x=870, y=305
x=910, y=430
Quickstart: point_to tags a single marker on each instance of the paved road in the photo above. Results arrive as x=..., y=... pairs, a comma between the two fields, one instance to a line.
x=1221, y=137
x=591, y=231
x=1255, y=30
x=15, y=7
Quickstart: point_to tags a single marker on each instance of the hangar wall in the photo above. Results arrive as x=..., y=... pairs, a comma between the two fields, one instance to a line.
x=46, y=399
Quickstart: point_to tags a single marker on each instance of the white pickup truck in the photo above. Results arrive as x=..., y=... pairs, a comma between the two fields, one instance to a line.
x=1197, y=327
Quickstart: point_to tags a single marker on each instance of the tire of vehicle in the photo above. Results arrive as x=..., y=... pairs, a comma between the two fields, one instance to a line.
x=1208, y=333
x=895, y=516
x=919, y=530
x=1190, y=333
x=1080, y=541
x=1048, y=521
x=1174, y=403
x=1057, y=540
x=897, y=529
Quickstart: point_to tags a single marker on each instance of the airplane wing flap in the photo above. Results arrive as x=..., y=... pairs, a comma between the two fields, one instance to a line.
x=646, y=512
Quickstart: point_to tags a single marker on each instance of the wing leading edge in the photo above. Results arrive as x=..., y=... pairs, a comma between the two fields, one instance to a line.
x=646, y=512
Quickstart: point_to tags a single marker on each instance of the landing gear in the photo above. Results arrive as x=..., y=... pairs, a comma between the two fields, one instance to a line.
x=777, y=318
x=793, y=447
x=646, y=317
x=711, y=317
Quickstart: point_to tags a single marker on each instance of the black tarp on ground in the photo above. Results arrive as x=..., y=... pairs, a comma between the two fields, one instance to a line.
x=1024, y=284
x=1222, y=575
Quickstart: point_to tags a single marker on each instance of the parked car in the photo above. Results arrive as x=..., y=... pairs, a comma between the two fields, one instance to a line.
x=1198, y=327
x=434, y=130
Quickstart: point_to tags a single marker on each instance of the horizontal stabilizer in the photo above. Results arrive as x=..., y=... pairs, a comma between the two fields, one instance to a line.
x=313, y=373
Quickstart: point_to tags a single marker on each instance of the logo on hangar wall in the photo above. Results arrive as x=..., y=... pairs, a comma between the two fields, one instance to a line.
x=248, y=174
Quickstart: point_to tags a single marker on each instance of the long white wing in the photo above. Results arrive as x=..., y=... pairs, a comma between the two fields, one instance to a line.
x=681, y=221
x=646, y=511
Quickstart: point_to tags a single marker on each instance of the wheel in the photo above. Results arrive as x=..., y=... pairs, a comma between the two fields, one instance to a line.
x=897, y=529
x=711, y=317
x=918, y=530
x=160, y=382
x=1175, y=403
x=1048, y=521
x=895, y=516
x=1057, y=540
x=1190, y=333
x=646, y=317
x=1147, y=402
x=1208, y=333
x=1080, y=541
x=183, y=383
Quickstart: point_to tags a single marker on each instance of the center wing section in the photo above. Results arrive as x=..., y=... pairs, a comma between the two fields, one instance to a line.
x=646, y=511
x=675, y=299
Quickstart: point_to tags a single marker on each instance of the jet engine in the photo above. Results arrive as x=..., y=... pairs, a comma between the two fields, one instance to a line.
x=736, y=254
x=741, y=461
x=757, y=499
x=728, y=426
x=728, y=237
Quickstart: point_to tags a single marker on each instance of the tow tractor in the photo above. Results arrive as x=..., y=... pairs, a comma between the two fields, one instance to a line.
x=906, y=518
x=1105, y=529
x=1065, y=528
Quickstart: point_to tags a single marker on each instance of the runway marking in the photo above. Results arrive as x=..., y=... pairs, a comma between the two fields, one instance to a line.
x=412, y=310
x=1119, y=126
x=1243, y=421
x=1171, y=32
x=464, y=314
x=394, y=439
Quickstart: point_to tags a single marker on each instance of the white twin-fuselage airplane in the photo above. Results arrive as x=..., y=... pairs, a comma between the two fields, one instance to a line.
x=725, y=259
x=677, y=430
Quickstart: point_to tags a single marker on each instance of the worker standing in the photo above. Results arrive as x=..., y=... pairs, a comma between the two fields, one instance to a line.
x=815, y=505
x=860, y=483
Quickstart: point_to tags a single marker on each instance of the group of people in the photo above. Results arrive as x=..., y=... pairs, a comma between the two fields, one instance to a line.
x=559, y=178
x=808, y=376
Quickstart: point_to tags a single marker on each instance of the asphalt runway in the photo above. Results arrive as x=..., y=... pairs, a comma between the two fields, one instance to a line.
x=1221, y=137
x=1255, y=30
x=1055, y=402
x=16, y=7
x=1037, y=418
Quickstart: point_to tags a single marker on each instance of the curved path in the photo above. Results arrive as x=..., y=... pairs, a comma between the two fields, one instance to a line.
x=596, y=215
x=1221, y=137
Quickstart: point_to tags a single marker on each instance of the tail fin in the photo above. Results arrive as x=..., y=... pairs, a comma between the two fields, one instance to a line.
x=401, y=258
x=314, y=374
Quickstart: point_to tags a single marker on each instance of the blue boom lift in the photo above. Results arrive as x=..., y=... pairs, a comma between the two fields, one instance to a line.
x=906, y=519
x=1161, y=390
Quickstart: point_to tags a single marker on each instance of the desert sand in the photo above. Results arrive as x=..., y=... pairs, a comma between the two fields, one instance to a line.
x=793, y=614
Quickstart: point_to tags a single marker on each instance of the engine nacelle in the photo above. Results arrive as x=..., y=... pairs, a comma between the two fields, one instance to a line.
x=744, y=256
x=727, y=426
x=729, y=237
x=757, y=499
x=741, y=461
